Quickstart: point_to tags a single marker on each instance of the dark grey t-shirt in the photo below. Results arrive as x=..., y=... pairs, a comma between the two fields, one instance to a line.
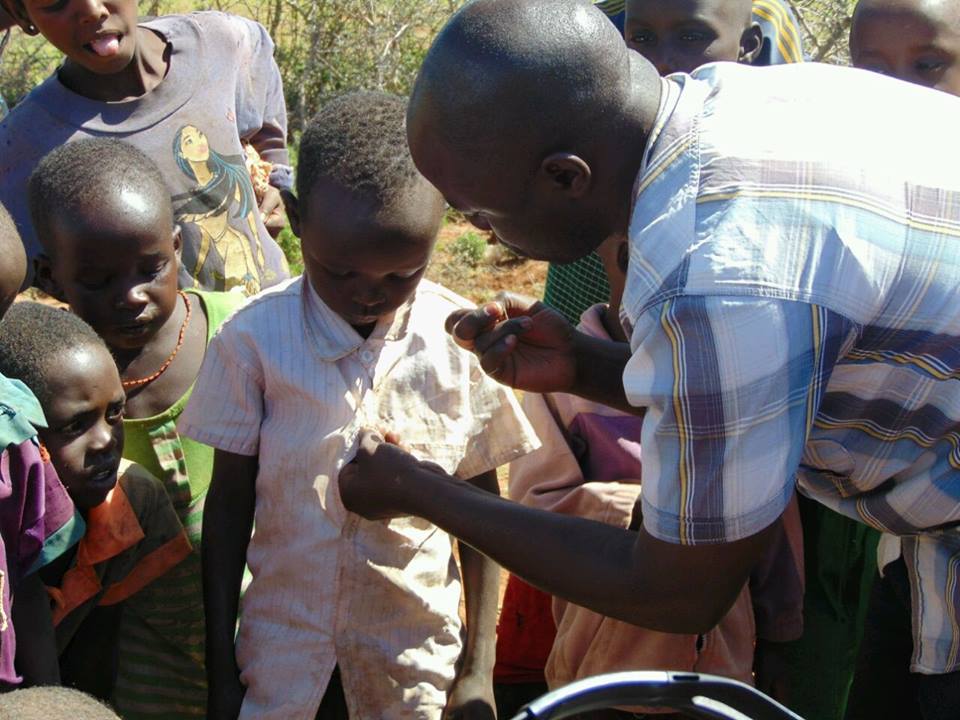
x=222, y=87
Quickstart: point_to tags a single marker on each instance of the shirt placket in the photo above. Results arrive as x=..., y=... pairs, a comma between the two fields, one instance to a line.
x=361, y=366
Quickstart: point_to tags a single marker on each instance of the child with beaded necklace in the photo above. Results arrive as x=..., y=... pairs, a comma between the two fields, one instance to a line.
x=111, y=251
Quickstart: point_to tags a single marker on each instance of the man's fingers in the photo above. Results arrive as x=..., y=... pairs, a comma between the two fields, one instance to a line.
x=369, y=440
x=494, y=360
x=467, y=325
x=510, y=328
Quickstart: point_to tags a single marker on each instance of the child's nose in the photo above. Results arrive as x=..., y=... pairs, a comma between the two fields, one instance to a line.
x=102, y=438
x=370, y=297
x=92, y=10
x=134, y=295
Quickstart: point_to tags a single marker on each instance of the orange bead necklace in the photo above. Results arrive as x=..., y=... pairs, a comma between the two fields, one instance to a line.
x=140, y=382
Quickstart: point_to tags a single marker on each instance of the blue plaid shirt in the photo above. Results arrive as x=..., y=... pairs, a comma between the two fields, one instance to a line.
x=794, y=299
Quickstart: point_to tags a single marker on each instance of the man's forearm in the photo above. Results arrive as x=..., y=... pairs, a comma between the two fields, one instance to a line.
x=623, y=574
x=600, y=365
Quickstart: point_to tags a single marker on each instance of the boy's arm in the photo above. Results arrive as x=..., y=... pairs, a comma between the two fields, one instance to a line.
x=36, y=658
x=227, y=524
x=472, y=693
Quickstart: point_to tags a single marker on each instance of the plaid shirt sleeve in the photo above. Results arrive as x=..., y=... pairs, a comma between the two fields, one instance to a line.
x=732, y=386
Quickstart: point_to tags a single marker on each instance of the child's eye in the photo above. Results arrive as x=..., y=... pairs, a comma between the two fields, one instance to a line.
x=115, y=413
x=694, y=37
x=929, y=66
x=55, y=6
x=339, y=273
x=72, y=428
x=94, y=282
x=642, y=37
x=155, y=269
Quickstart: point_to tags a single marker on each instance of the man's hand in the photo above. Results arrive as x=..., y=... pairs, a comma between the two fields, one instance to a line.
x=271, y=211
x=520, y=342
x=380, y=478
x=471, y=698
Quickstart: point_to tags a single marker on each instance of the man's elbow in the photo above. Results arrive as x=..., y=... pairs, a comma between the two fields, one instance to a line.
x=682, y=618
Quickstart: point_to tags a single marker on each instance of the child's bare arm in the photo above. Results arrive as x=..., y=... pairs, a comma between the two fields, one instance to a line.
x=36, y=658
x=227, y=524
x=472, y=693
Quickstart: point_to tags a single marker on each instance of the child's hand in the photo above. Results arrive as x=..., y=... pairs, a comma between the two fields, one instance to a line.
x=520, y=342
x=272, y=212
x=471, y=698
x=380, y=478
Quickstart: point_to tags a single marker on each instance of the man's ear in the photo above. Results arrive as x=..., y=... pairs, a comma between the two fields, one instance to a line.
x=568, y=172
x=15, y=9
x=751, y=42
x=292, y=207
x=43, y=277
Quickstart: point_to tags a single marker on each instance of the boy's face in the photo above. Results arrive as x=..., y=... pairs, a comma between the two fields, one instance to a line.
x=85, y=422
x=913, y=40
x=682, y=35
x=364, y=262
x=98, y=35
x=117, y=270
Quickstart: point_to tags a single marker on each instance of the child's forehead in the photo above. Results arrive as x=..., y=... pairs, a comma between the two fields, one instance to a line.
x=736, y=12
x=935, y=14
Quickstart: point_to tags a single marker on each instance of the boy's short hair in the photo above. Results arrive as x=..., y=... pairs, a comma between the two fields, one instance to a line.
x=358, y=140
x=53, y=703
x=31, y=333
x=81, y=174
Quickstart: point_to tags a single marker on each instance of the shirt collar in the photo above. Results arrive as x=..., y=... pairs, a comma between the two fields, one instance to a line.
x=332, y=337
x=20, y=413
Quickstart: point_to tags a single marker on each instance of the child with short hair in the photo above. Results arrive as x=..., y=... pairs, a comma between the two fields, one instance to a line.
x=346, y=617
x=38, y=522
x=913, y=40
x=133, y=535
x=682, y=35
x=189, y=91
x=111, y=251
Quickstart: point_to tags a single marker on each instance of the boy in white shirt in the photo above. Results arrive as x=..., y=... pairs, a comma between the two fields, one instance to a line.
x=347, y=617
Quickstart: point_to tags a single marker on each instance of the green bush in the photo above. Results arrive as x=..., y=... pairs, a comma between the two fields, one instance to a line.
x=469, y=248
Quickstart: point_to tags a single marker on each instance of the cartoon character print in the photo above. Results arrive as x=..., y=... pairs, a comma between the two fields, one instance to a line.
x=217, y=210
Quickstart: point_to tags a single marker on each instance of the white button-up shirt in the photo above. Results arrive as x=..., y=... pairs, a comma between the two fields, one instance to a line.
x=288, y=380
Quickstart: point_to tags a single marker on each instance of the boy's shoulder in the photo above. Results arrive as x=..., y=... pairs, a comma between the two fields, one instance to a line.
x=263, y=309
x=429, y=309
x=145, y=495
x=438, y=296
x=20, y=412
x=213, y=26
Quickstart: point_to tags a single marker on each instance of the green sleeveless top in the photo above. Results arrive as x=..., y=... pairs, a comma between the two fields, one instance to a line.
x=161, y=667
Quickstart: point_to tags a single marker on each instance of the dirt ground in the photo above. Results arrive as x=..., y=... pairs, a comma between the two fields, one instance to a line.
x=482, y=282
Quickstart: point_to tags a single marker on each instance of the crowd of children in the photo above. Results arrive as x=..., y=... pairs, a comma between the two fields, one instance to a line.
x=179, y=418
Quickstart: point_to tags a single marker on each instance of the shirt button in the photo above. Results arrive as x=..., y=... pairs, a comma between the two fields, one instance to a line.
x=366, y=356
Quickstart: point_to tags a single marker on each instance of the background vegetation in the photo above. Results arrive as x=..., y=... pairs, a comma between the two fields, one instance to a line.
x=326, y=46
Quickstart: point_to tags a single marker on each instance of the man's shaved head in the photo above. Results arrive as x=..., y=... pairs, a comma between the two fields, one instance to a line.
x=507, y=85
x=913, y=40
x=13, y=261
x=496, y=52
